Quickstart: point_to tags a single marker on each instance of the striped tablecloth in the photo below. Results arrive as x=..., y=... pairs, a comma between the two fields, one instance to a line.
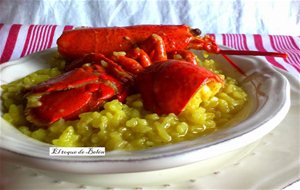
x=20, y=40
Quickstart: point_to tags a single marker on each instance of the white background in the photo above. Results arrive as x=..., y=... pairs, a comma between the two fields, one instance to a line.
x=212, y=16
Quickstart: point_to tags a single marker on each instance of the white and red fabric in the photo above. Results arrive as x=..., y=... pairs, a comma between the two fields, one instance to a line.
x=20, y=40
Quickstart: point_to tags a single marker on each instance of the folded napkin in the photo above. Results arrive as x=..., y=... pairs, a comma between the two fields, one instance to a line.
x=20, y=40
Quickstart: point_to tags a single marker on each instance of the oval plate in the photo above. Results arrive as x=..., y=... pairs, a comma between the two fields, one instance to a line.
x=269, y=94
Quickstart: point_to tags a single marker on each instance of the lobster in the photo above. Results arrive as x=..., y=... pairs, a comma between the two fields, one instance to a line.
x=111, y=63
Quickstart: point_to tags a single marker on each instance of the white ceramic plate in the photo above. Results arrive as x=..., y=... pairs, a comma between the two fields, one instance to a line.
x=271, y=162
x=268, y=90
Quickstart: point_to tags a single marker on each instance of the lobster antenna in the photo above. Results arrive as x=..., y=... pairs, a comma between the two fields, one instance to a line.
x=254, y=53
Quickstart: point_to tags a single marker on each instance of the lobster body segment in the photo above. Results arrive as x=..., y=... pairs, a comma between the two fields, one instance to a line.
x=76, y=43
x=166, y=87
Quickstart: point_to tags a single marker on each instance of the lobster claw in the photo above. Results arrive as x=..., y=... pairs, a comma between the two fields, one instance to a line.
x=167, y=86
x=66, y=96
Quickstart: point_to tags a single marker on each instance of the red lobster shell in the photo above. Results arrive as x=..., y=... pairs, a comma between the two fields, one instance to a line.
x=108, y=63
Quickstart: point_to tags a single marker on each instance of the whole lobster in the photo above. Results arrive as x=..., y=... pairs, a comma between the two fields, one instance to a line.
x=109, y=63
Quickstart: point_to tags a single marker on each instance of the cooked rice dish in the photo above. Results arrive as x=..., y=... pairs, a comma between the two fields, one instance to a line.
x=128, y=126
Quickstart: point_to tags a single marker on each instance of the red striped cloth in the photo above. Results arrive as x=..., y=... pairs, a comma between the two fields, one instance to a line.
x=20, y=40
x=278, y=43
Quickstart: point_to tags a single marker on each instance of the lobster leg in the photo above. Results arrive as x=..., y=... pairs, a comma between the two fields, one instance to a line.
x=154, y=46
x=206, y=43
x=183, y=55
x=141, y=56
x=128, y=63
x=149, y=51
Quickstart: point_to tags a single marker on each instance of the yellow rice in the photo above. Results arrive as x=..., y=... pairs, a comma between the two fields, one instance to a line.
x=128, y=126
